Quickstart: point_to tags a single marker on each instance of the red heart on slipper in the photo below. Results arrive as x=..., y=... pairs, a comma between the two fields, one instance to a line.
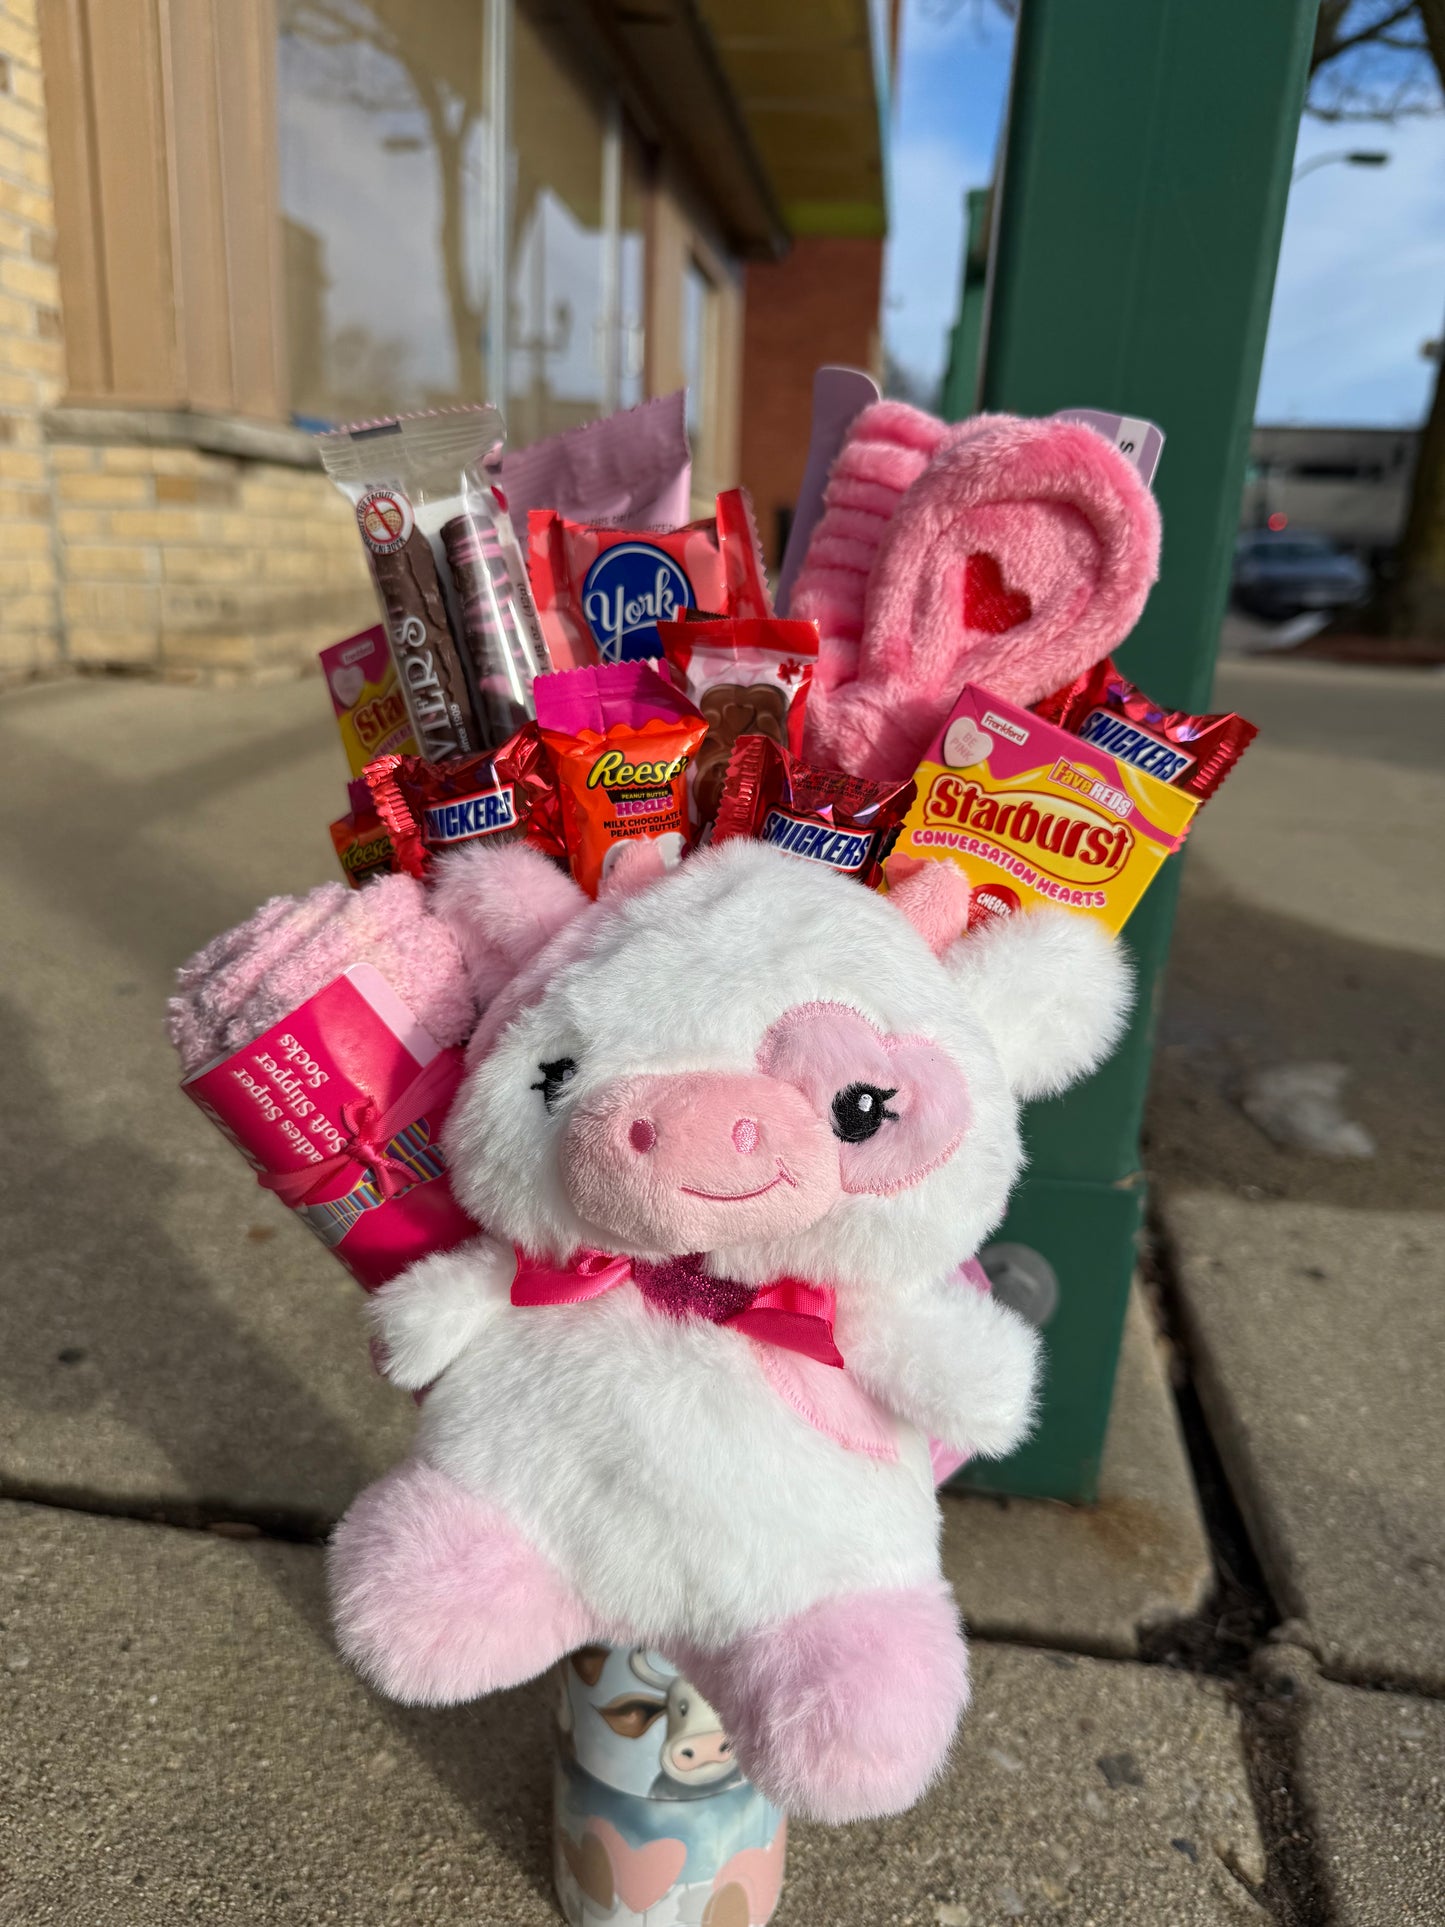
x=987, y=605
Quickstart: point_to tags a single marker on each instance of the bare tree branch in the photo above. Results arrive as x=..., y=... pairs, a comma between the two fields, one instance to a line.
x=1330, y=43
x=1373, y=60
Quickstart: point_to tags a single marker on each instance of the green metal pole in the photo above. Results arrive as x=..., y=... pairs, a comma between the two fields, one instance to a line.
x=1146, y=168
x=965, y=345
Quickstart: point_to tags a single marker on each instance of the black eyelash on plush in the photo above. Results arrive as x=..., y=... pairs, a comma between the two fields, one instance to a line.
x=854, y=1126
x=555, y=1077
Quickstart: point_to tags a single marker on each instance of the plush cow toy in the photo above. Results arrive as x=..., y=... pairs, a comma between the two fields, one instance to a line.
x=731, y=1130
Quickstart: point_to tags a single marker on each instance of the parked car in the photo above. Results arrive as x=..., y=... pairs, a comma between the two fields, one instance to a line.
x=1278, y=576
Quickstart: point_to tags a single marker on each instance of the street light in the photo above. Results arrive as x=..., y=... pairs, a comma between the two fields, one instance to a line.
x=1351, y=157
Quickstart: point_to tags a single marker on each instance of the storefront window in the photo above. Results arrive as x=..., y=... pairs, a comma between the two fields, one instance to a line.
x=699, y=360
x=630, y=345
x=395, y=226
x=386, y=197
x=577, y=247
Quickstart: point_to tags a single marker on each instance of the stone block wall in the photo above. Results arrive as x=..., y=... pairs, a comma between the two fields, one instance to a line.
x=199, y=564
x=32, y=359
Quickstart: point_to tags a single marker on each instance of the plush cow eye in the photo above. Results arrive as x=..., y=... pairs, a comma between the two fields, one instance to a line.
x=859, y=1111
x=630, y=1718
x=555, y=1076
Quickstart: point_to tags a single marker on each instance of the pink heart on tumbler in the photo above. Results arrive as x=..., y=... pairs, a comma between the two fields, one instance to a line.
x=966, y=744
x=642, y=1874
x=759, y=1871
x=987, y=605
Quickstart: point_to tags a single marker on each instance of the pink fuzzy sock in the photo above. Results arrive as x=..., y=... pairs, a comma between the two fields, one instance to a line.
x=248, y=979
x=887, y=448
x=1013, y=554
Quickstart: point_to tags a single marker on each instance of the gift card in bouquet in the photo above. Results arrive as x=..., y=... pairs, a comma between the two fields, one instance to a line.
x=338, y=1108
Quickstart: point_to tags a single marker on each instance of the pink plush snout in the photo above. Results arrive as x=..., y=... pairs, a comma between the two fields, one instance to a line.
x=699, y=1161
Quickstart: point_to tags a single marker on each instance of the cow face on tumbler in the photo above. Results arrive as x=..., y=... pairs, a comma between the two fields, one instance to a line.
x=731, y=1131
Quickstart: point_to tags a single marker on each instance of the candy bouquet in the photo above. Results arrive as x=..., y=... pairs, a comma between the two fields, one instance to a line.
x=659, y=1079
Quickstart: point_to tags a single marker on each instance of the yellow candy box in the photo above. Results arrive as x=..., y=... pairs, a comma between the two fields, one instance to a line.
x=370, y=708
x=1034, y=815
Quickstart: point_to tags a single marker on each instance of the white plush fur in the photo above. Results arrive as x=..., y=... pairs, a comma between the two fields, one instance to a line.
x=690, y=975
x=955, y=1364
x=1053, y=991
x=652, y=1463
x=648, y=1457
x=427, y=1317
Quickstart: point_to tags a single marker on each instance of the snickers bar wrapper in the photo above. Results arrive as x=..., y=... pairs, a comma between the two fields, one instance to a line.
x=1035, y=815
x=307, y=1096
x=652, y=1821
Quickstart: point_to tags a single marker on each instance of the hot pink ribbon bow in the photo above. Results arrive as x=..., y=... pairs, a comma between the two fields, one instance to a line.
x=791, y=1314
x=369, y=1132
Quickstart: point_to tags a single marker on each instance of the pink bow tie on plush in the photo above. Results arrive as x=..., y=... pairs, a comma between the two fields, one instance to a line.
x=795, y=1316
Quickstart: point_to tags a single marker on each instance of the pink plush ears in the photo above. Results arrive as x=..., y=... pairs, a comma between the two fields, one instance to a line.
x=631, y=867
x=1017, y=555
x=503, y=905
x=934, y=896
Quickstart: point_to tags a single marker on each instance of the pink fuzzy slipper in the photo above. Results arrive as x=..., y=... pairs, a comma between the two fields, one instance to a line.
x=1020, y=553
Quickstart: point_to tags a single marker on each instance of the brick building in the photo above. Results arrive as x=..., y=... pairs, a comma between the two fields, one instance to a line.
x=225, y=223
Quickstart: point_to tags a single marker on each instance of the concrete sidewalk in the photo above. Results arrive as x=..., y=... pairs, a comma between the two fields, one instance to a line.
x=1310, y=1290
x=183, y=1354
x=188, y=1746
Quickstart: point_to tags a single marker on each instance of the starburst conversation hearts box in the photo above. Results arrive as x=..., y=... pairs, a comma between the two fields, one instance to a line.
x=1035, y=815
x=370, y=708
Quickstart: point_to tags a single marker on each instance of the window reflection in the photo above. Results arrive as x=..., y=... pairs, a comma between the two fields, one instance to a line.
x=385, y=194
x=576, y=295
x=630, y=345
x=699, y=360
x=390, y=218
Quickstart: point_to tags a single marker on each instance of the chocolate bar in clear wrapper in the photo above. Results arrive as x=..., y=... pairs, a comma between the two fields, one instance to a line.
x=438, y=699
x=499, y=651
x=465, y=651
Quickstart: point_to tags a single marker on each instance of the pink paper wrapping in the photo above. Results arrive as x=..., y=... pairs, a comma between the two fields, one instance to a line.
x=319, y=1105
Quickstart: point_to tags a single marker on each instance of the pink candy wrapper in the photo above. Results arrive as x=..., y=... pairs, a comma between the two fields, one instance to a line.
x=338, y=1108
x=633, y=468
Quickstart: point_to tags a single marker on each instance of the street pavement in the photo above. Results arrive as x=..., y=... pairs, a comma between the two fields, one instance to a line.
x=185, y=1745
x=1310, y=1290
x=174, y=1349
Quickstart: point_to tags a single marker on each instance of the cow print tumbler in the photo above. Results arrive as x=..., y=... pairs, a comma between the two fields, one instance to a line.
x=653, y=1824
x=499, y=651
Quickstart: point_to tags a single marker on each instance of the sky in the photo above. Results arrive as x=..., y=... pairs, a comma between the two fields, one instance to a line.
x=1361, y=281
